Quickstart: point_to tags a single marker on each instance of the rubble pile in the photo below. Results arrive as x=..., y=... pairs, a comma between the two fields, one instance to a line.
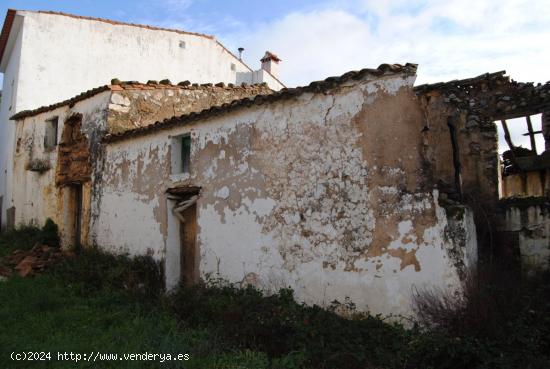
x=30, y=262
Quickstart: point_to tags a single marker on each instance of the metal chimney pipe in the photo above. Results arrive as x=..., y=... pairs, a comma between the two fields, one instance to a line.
x=241, y=49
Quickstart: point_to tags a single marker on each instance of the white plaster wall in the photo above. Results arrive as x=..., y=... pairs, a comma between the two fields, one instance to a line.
x=130, y=227
x=247, y=236
x=532, y=223
x=126, y=220
x=87, y=54
x=258, y=76
x=35, y=195
x=57, y=57
x=9, y=105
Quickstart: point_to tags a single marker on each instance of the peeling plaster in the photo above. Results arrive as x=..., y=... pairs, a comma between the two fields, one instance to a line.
x=314, y=193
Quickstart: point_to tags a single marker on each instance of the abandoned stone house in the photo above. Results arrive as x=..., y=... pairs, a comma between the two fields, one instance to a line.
x=326, y=188
x=46, y=57
x=357, y=188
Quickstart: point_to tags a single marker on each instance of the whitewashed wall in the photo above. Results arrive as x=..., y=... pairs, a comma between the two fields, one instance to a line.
x=322, y=193
x=10, y=104
x=531, y=225
x=35, y=195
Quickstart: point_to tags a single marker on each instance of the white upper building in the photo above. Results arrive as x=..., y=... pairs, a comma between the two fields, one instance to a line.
x=48, y=57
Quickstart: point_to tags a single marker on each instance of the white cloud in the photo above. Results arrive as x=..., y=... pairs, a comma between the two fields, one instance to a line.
x=177, y=5
x=448, y=39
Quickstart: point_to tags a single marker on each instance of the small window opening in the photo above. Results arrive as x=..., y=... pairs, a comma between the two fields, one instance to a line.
x=50, y=136
x=182, y=44
x=181, y=147
x=524, y=132
x=185, y=153
x=233, y=67
x=520, y=142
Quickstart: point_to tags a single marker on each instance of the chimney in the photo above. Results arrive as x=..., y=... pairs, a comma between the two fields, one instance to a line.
x=241, y=49
x=270, y=63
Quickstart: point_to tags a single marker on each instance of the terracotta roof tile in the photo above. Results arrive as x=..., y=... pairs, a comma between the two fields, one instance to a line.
x=285, y=93
x=4, y=36
x=122, y=86
x=270, y=56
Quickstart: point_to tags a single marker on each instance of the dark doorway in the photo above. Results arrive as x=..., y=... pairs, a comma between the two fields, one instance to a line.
x=189, y=255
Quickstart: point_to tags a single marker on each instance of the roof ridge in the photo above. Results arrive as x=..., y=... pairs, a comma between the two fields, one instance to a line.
x=127, y=86
x=165, y=83
x=315, y=86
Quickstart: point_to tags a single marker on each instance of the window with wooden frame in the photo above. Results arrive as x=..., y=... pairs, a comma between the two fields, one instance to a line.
x=50, y=134
x=181, y=154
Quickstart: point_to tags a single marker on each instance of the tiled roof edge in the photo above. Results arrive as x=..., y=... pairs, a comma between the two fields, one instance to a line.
x=83, y=96
x=6, y=28
x=316, y=86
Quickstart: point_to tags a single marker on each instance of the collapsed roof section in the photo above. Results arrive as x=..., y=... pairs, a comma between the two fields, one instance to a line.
x=493, y=95
x=495, y=98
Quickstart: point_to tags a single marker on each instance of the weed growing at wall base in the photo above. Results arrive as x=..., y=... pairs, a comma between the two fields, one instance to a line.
x=115, y=304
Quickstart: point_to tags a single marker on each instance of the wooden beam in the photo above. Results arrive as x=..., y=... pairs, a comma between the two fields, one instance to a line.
x=531, y=134
x=451, y=123
x=509, y=142
x=507, y=135
x=535, y=133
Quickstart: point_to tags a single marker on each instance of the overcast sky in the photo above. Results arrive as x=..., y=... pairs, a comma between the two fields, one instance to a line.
x=449, y=39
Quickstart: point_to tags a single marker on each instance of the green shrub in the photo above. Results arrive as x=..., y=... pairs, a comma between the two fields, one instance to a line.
x=500, y=320
x=50, y=233
x=95, y=270
x=291, y=334
x=23, y=237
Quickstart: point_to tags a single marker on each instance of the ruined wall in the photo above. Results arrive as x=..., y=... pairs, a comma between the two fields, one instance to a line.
x=477, y=148
x=527, y=223
x=73, y=160
x=39, y=195
x=527, y=184
x=140, y=105
x=325, y=192
x=472, y=106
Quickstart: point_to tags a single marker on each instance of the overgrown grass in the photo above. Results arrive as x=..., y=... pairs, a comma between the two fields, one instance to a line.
x=22, y=238
x=25, y=237
x=115, y=304
x=51, y=314
x=44, y=314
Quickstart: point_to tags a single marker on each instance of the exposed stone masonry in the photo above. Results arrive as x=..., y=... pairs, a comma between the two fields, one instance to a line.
x=138, y=105
x=73, y=165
